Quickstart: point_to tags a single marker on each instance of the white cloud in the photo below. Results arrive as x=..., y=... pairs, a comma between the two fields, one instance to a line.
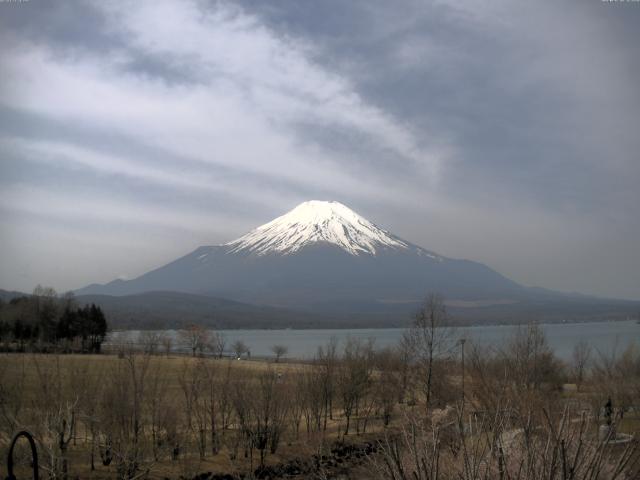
x=82, y=206
x=253, y=87
x=70, y=155
x=246, y=113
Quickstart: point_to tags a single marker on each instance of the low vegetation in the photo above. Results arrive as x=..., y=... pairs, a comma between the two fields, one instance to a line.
x=431, y=408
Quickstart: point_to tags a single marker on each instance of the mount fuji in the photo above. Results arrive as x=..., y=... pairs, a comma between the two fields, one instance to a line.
x=322, y=260
x=320, y=254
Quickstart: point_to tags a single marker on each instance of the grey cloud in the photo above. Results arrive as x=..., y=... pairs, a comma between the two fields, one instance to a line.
x=530, y=111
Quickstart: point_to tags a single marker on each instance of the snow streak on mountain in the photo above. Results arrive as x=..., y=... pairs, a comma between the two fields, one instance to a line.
x=314, y=222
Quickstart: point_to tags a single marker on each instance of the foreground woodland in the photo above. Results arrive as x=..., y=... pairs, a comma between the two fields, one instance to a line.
x=434, y=407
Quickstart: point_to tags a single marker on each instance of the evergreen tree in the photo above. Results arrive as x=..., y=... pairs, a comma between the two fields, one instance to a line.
x=5, y=330
x=49, y=319
x=97, y=327
x=66, y=325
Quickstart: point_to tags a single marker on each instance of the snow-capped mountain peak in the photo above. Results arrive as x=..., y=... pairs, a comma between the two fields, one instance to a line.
x=314, y=222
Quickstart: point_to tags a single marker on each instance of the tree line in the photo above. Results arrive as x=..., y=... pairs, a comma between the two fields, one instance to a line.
x=45, y=321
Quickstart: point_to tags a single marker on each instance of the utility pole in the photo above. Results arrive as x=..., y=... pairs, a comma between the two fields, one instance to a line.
x=462, y=342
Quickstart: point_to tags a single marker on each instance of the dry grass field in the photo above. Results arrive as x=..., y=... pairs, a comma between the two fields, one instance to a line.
x=357, y=414
x=59, y=381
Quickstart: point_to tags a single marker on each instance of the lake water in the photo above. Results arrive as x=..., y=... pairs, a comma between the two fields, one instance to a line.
x=606, y=337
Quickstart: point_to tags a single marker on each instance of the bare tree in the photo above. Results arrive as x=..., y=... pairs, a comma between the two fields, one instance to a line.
x=13, y=387
x=167, y=342
x=149, y=340
x=354, y=377
x=279, y=351
x=193, y=382
x=194, y=337
x=529, y=359
x=212, y=402
x=225, y=406
x=58, y=409
x=388, y=382
x=430, y=337
x=239, y=348
x=156, y=408
x=560, y=448
x=45, y=304
x=218, y=344
x=261, y=406
x=123, y=420
x=617, y=377
x=123, y=342
x=297, y=395
x=68, y=301
x=403, y=353
x=86, y=380
x=327, y=360
x=581, y=357
x=314, y=399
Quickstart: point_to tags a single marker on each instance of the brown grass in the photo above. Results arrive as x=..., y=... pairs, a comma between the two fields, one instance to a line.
x=24, y=371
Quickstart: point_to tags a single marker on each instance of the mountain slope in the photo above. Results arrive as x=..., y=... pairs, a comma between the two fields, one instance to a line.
x=175, y=309
x=320, y=256
x=7, y=296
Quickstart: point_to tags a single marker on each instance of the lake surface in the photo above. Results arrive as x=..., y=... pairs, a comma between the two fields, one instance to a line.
x=605, y=337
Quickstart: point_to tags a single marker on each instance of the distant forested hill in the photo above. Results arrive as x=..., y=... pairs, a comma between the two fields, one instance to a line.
x=174, y=309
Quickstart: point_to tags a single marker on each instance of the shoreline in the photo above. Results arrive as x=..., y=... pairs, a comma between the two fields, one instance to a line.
x=453, y=325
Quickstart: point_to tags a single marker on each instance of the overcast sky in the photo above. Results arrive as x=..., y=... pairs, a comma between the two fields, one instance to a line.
x=499, y=131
